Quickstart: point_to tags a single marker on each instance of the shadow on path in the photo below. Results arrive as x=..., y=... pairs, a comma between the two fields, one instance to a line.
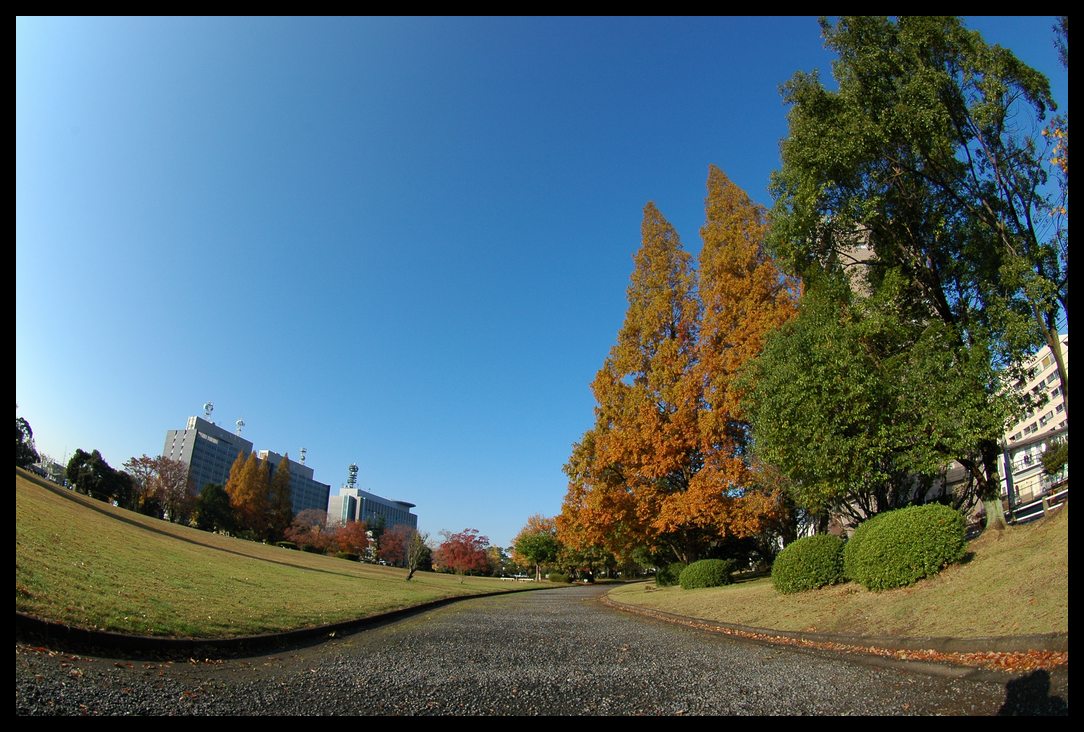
x=1029, y=695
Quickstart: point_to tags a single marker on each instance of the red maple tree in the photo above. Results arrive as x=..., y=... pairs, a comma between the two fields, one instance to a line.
x=462, y=552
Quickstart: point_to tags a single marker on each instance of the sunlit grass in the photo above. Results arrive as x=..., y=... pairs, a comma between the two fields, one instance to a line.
x=81, y=562
x=1015, y=583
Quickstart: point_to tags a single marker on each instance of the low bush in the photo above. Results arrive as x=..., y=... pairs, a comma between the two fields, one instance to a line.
x=706, y=573
x=286, y=544
x=312, y=549
x=559, y=577
x=900, y=547
x=348, y=555
x=809, y=563
x=669, y=575
x=853, y=547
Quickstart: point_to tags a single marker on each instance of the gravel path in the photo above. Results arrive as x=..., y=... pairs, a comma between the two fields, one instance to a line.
x=552, y=652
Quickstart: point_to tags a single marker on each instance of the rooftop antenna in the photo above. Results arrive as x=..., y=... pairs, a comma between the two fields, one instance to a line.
x=352, y=481
x=240, y=425
x=207, y=409
x=303, y=451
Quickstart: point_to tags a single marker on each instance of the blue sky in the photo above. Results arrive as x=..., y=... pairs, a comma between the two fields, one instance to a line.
x=403, y=243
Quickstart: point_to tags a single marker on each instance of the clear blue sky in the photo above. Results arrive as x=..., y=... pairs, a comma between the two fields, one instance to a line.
x=403, y=243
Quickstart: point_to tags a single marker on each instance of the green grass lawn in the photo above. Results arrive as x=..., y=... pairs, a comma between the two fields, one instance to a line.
x=1015, y=583
x=113, y=569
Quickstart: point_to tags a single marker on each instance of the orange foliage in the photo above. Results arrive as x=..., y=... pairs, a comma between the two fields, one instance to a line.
x=665, y=462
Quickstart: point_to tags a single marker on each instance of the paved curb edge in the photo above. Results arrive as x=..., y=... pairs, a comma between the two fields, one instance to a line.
x=69, y=636
x=1031, y=651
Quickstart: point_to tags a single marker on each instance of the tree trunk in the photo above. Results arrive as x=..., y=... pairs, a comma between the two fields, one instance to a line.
x=995, y=514
x=990, y=487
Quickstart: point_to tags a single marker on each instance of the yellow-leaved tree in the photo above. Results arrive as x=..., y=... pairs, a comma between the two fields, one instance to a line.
x=666, y=464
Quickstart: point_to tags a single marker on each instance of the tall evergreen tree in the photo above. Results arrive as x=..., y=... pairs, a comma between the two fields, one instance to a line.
x=930, y=153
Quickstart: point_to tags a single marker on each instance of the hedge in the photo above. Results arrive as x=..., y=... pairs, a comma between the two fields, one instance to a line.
x=706, y=573
x=809, y=563
x=900, y=547
x=670, y=574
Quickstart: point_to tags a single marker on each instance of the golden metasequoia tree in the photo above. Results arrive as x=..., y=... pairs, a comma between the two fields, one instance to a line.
x=743, y=297
x=280, y=500
x=665, y=465
x=248, y=487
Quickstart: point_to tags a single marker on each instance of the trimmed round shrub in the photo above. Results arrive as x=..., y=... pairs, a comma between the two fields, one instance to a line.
x=559, y=577
x=853, y=547
x=669, y=575
x=809, y=563
x=706, y=573
x=900, y=547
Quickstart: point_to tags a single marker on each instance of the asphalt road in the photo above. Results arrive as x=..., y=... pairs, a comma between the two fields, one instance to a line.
x=554, y=652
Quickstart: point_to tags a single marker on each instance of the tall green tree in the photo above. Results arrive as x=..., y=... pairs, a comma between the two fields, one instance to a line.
x=930, y=155
x=213, y=510
x=93, y=476
x=280, y=501
x=25, y=452
x=537, y=543
x=861, y=410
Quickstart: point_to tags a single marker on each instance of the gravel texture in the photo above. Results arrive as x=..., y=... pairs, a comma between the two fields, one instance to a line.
x=557, y=652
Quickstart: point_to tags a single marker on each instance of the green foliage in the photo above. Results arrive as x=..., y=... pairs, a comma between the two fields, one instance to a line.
x=921, y=177
x=539, y=547
x=669, y=575
x=1056, y=457
x=853, y=548
x=351, y=556
x=854, y=399
x=213, y=510
x=898, y=548
x=809, y=563
x=706, y=573
x=25, y=453
x=558, y=577
x=91, y=475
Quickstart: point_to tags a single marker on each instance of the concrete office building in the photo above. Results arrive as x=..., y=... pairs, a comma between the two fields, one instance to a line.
x=342, y=508
x=354, y=504
x=207, y=450
x=304, y=491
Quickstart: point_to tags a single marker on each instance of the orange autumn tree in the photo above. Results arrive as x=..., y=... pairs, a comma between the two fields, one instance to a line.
x=665, y=465
x=247, y=488
x=743, y=297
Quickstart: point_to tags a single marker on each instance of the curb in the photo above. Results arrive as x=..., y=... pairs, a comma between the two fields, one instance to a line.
x=1008, y=653
x=70, y=637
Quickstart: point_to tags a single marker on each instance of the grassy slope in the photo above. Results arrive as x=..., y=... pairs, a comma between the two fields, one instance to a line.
x=86, y=568
x=1015, y=584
